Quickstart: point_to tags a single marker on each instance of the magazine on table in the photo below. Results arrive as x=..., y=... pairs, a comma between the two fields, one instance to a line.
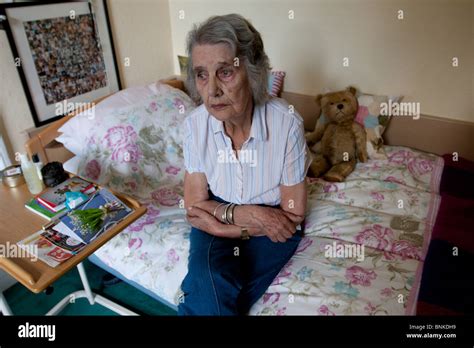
x=45, y=250
x=69, y=234
x=103, y=208
x=67, y=243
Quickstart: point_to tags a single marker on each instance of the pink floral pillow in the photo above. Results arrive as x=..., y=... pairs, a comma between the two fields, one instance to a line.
x=138, y=149
x=79, y=127
x=275, y=83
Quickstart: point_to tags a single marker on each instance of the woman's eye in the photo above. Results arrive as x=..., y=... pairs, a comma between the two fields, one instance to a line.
x=225, y=73
x=201, y=76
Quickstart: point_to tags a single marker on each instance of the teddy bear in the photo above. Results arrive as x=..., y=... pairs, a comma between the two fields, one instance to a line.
x=340, y=141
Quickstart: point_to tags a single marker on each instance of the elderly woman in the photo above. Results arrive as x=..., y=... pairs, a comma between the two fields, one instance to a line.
x=246, y=159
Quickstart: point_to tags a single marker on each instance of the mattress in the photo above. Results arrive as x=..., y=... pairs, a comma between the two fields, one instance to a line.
x=385, y=210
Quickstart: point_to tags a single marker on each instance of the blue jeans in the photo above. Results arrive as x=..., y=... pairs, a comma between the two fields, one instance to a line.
x=227, y=276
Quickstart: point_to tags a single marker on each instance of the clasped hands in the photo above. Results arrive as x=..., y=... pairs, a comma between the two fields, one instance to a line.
x=275, y=223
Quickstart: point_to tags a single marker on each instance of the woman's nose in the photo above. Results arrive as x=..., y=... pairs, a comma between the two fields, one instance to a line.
x=212, y=87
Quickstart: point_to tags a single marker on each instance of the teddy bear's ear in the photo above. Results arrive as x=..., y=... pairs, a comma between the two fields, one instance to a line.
x=352, y=90
x=318, y=98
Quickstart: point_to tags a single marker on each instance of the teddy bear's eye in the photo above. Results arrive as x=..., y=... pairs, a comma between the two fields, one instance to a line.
x=332, y=103
x=344, y=100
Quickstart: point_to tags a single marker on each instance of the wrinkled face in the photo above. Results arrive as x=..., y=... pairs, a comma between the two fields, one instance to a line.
x=223, y=87
x=339, y=106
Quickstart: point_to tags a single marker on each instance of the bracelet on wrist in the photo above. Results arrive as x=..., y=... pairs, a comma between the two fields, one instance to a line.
x=230, y=217
x=217, y=207
x=227, y=215
x=224, y=215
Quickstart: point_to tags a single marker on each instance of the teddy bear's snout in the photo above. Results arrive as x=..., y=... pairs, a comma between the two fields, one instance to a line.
x=340, y=106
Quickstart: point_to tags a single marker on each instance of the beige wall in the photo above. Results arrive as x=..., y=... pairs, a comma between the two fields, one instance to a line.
x=15, y=114
x=410, y=57
x=141, y=31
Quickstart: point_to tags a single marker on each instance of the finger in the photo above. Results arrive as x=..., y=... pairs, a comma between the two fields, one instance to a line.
x=295, y=218
x=288, y=226
x=200, y=213
x=284, y=230
x=193, y=211
x=281, y=238
x=190, y=214
x=278, y=235
x=273, y=238
x=196, y=211
x=286, y=233
x=195, y=222
x=193, y=219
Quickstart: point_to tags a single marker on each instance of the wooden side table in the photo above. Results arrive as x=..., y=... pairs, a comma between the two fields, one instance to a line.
x=17, y=223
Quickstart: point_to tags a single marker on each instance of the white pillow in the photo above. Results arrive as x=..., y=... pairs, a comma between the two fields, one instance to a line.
x=72, y=165
x=72, y=144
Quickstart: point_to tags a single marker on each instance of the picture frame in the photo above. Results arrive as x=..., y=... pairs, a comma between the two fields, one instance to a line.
x=64, y=54
x=183, y=64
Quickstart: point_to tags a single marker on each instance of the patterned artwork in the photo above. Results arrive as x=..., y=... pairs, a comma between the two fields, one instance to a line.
x=67, y=56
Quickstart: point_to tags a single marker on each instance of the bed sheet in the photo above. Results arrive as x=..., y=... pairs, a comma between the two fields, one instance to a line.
x=388, y=207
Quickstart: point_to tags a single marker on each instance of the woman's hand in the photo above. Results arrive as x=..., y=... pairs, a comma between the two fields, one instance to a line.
x=201, y=219
x=275, y=223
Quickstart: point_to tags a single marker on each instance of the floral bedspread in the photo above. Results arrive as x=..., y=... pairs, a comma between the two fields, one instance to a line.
x=388, y=207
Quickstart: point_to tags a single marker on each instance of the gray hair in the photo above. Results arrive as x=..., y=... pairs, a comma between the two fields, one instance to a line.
x=244, y=40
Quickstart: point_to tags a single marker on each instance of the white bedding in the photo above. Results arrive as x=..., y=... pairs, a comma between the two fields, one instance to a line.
x=72, y=165
x=389, y=206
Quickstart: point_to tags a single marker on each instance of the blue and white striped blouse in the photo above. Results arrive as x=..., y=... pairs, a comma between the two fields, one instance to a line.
x=274, y=154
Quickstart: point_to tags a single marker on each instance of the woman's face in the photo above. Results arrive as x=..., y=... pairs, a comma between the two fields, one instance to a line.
x=223, y=87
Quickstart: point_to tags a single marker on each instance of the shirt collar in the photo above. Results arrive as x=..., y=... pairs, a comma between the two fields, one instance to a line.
x=258, y=130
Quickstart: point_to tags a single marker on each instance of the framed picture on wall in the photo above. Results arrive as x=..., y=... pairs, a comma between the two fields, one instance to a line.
x=64, y=54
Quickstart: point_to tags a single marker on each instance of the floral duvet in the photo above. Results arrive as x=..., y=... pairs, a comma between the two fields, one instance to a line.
x=385, y=210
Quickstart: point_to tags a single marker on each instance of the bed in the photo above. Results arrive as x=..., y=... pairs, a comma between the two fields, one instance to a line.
x=387, y=206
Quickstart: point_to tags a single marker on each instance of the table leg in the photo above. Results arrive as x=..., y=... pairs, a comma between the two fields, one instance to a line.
x=4, y=307
x=91, y=297
x=85, y=283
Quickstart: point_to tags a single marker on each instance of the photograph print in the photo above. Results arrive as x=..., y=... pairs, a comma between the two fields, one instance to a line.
x=65, y=54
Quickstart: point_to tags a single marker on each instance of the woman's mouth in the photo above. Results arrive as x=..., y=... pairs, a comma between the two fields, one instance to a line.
x=218, y=106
